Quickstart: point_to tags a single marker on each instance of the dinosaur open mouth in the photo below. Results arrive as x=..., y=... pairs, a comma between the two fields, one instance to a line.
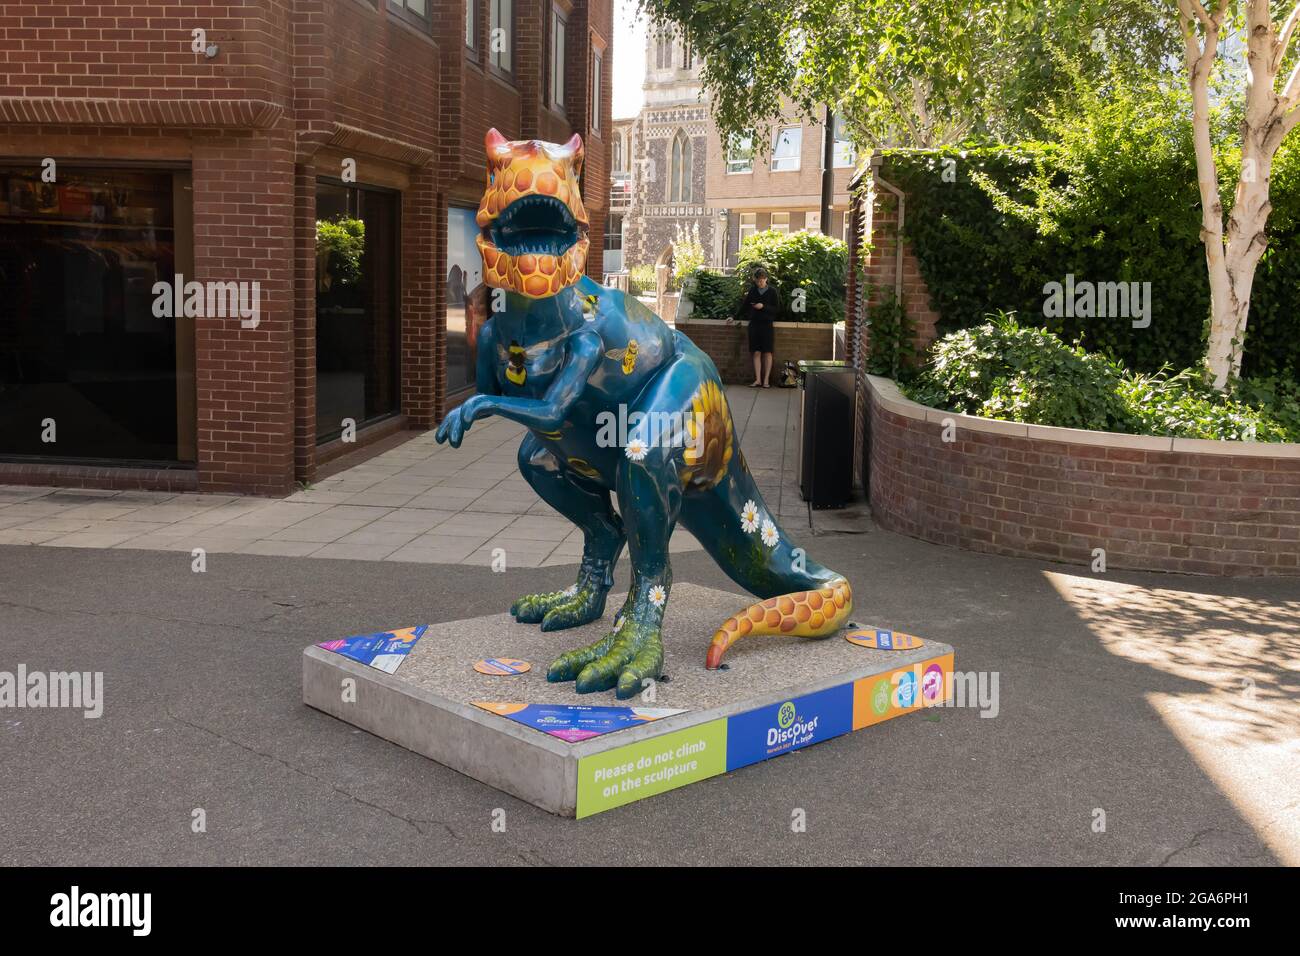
x=535, y=225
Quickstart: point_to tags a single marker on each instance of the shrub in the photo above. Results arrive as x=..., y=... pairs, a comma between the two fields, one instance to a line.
x=1007, y=371
x=1182, y=405
x=641, y=280
x=716, y=296
x=340, y=244
x=808, y=263
x=890, y=348
x=1004, y=370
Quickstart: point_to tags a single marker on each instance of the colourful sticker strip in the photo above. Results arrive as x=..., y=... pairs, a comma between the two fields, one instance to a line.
x=658, y=764
x=575, y=722
x=883, y=640
x=384, y=651
x=502, y=667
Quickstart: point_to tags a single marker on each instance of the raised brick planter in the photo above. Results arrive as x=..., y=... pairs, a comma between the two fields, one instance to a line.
x=1161, y=504
x=728, y=345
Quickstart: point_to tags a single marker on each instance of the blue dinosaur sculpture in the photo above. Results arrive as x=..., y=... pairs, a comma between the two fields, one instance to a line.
x=617, y=403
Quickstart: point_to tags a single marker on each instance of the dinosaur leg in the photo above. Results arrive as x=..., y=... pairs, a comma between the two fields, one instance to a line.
x=587, y=505
x=649, y=497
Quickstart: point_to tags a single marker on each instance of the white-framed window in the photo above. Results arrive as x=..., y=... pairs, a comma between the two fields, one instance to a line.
x=785, y=154
x=747, y=225
x=680, y=171
x=740, y=154
x=471, y=24
x=501, y=41
x=559, y=34
x=616, y=154
x=597, y=87
x=780, y=222
x=845, y=154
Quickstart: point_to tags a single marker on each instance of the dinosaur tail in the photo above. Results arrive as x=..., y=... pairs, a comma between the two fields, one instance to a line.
x=800, y=598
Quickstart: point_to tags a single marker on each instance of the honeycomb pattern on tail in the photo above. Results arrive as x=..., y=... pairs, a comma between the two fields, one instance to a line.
x=800, y=614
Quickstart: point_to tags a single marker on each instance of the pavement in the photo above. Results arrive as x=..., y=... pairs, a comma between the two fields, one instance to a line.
x=1139, y=718
x=419, y=502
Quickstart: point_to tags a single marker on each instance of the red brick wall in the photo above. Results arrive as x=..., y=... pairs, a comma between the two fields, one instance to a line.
x=728, y=346
x=296, y=85
x=1030, y=497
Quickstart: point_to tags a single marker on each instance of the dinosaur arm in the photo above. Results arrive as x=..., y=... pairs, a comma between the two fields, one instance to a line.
x=541, y=414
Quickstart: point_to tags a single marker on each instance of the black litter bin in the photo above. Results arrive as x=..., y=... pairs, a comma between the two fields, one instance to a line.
x=825, y=467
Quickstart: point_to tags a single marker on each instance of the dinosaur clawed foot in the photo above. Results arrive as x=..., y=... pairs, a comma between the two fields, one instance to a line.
x=556, y=610
x=625, y=659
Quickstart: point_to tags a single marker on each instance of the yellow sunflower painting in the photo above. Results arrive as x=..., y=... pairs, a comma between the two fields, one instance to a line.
x=709, y=446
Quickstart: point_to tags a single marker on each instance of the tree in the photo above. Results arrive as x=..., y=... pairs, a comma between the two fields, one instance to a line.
x=1231, y=255
x=903, y=72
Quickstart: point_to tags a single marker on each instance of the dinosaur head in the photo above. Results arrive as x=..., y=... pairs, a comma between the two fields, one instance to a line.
x=533, y=227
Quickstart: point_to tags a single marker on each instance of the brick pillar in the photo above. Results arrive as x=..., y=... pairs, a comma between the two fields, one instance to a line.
x=304, y=326
x=424, y=307
x=881, y=261
x=244, y=190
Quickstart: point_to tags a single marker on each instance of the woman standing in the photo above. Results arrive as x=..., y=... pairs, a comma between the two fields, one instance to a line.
x=760, y=307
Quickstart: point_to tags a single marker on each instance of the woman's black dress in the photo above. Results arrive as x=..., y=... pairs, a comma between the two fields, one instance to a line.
x=762, y=336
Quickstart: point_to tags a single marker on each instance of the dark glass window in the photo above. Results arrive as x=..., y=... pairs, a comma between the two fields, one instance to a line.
x=464, y=275
x=357, y=297
x=85, y=355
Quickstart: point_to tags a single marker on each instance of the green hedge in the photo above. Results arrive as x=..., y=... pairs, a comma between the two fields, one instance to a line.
x=808, y=270
x=1014, y=373
x=1114, y=200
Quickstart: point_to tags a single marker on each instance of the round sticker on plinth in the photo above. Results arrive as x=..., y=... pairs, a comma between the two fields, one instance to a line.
x=502, y=666
x=882, y=640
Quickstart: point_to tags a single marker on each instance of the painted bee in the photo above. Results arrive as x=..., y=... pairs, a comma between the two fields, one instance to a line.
x=515, y=371
x=627, y=356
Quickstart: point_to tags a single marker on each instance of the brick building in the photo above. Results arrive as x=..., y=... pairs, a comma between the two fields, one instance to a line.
x=309, y=170
x=680, y=175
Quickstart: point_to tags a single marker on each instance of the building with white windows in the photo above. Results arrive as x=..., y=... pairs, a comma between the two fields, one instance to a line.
x=670, y=171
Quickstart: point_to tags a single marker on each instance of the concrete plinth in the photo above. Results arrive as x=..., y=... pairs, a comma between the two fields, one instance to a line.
x=778, y=694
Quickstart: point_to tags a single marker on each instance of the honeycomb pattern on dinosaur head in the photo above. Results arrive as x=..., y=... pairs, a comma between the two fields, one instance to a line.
x=516, y=170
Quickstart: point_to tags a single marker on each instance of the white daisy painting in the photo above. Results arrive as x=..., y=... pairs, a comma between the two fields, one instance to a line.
x=770, y=536
x=658, y=595
x=749, y=517
x=636, y=449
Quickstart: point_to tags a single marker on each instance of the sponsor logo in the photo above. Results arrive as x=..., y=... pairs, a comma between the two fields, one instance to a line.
x=932, y=683
x=905, y=692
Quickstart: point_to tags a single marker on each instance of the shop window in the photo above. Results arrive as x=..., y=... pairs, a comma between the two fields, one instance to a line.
x=94, y=365
x=464, y=275
x=357, y=306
